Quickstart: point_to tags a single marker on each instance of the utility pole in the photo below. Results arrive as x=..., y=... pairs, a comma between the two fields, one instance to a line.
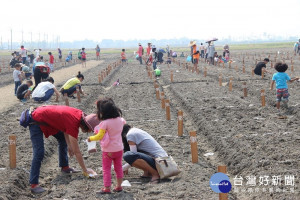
x=39, y=40
x=11, y=39
x=22, y=38
x=31, y=39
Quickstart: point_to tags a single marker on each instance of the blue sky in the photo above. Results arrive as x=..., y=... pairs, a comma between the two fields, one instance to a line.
x=138, y=19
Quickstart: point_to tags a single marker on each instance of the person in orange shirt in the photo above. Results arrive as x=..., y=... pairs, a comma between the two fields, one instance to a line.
x=123, y=57
x=196, y=57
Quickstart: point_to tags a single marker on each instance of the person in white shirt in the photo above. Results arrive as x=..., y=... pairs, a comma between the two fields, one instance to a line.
x=37, y=52
x=23, y=53
x=140, y=150
x=45, y=90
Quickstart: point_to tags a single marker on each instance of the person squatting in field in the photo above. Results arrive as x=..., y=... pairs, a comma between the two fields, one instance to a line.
x=44, y=91
x=70, y=87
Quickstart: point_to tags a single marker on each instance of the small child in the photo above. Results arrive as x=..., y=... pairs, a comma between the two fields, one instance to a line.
x=281, y=79
x=17, y=75
x=26, y=71
x=83, y=57
x=51, y=61
x=110, y=130
x=123, y=57
x=23, y=92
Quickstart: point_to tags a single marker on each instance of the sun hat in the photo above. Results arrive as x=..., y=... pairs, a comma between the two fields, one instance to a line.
x=192, y=43
x=91, y=120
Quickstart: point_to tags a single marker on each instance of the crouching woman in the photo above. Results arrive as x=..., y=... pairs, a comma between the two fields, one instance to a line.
x=141, y=149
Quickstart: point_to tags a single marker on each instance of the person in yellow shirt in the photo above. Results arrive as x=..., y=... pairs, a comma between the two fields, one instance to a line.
x=70, y=86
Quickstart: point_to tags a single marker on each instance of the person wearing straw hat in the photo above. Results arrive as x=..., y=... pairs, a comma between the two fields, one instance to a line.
x=193, y=50
x=63, y=123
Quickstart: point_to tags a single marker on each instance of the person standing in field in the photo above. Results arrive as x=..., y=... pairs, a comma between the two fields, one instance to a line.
x=148, y=49
x=140, y=53
x=281, y=78
x=211, y=52
x=37, y=52
x=59, y=54
x=23, y=53
x=109, y=132
x=201, y=48
x=97, y=52
x=83, y=57
x=17, y=75
x=123, y=57
x=51, y=61
x=79, y=54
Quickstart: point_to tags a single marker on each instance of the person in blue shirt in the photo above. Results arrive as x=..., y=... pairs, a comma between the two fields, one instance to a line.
x=281, y=78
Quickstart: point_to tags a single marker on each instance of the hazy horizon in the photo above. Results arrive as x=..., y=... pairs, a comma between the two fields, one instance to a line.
x=67, y=21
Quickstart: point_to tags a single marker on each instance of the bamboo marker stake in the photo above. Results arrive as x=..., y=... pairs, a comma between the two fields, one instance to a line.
x=78, y=94
x=168, y=113
x=236, y=68
x=162, y=96
x=244, y=70
x=262, y=73
x=157, y=92
x=171, y=76
x=66, y=99
x=12, y=151
x=292, y=68
x=263, y=98
x=245, y=89
x=223, y=169
x=205, y=71
x=252, y=71
x=229, y=65
x=99, y=78
x=230, y=84
x=194, y=148
x=180, y=123
x=223, y=65
x=220, y=79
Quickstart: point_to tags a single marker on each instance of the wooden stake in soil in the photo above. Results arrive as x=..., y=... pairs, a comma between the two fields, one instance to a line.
x=168, y=112
x=252, y=71
x=292, y=68
x=223, y=169
x=157, y=92
x=230, y=84
x=244, y=70
x=236, y=68
x=78, y=94
x=194, y=148
x=12, y=151
x=171, y=75
x=220, y=79
x=262, y=73
x=245, y=89
x=66, y=99
x=263, y=98
x=205, y=71
x=99, y=78
x=180, y=123
x=162, y=96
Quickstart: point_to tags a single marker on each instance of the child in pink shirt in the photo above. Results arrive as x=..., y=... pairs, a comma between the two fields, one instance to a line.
x=110, y=129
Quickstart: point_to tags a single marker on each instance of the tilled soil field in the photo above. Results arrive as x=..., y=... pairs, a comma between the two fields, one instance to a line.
x=246, y=137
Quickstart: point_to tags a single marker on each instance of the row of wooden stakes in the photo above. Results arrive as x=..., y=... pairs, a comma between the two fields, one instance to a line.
x=165, y=104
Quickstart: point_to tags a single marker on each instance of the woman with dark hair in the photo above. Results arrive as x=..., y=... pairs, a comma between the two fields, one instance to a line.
x=63, y=123
x=140, y=150
x=45, y=90
x=70, y=86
